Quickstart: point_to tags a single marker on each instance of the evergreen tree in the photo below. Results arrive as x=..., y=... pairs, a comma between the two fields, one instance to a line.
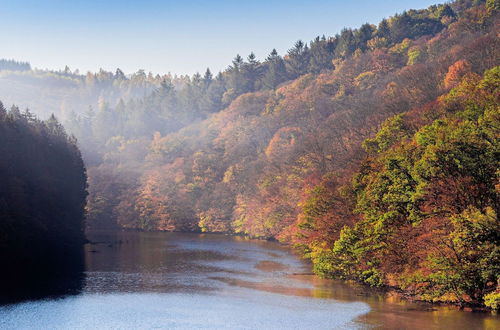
x=364, y=34
x=275, y=71
x=252, y=73
x=119, y=75
x=384, y=31
x=346, y=44
x=236, y=81
x=212, y=101
x=321, y=54
x=207, y=79
x=446, y=11
x=3, y=111
x=297, y=61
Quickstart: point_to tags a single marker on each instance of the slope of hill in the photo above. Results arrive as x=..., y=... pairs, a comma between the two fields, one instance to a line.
x=245, y=168
x=339, y=147
x=289, y=163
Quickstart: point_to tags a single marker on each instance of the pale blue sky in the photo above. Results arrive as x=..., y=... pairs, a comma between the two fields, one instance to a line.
x=172, y=36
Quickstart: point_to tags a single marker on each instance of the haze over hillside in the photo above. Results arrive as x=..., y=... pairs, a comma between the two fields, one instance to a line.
x=374, y=151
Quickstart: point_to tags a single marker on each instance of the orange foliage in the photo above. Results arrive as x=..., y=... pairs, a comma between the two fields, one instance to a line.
x=455, y=73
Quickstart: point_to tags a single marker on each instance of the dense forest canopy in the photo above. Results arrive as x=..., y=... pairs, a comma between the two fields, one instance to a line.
x=422, y=209
x=373, y=151
x=43, y=192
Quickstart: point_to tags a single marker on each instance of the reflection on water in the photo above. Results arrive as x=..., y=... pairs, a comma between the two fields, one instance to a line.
x=171, y=280
x=57, y=273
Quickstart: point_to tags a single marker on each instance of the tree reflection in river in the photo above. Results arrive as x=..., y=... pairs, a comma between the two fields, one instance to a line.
x=174, y=280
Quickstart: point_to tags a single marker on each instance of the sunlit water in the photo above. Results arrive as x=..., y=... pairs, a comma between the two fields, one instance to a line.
x=188, y=281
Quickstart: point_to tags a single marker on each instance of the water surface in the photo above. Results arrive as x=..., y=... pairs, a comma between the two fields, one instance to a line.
x=189, y=281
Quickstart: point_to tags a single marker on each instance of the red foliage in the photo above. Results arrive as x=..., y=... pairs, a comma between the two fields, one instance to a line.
x=455, y=73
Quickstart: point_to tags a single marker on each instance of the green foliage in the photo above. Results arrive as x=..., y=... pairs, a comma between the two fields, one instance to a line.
x=445, y=11
x=411, y=26
x=492, y=300
x=472, y=260
x=318, y=203
x=491, y=80
x=324, y=264
x=372, y=277
x=492, y=6
x=348, y=252
x=393, y=130
x=440, y=189
x=415, y=55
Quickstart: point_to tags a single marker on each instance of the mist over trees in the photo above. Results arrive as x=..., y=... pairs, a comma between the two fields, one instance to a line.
x=12, y=65
x=360, y=149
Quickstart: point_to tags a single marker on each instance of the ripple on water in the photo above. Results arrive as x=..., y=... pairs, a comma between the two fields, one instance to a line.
x=245, y=310
x=187, y=281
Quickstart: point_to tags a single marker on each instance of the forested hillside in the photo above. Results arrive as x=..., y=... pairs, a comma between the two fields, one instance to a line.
x=296, y=155
x=42, y=198
x=246, y=168
x=374, y=151
x=421, y=212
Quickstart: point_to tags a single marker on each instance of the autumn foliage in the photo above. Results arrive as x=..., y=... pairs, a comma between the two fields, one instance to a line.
x=374, y=152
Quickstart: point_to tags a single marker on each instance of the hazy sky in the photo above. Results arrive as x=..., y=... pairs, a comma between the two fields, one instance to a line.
x=172, y=36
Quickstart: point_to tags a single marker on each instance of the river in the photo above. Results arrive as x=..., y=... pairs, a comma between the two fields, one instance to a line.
x=136, y=280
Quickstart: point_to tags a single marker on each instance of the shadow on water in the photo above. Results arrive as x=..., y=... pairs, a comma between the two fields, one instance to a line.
x=221, y=276
x=51, y=274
